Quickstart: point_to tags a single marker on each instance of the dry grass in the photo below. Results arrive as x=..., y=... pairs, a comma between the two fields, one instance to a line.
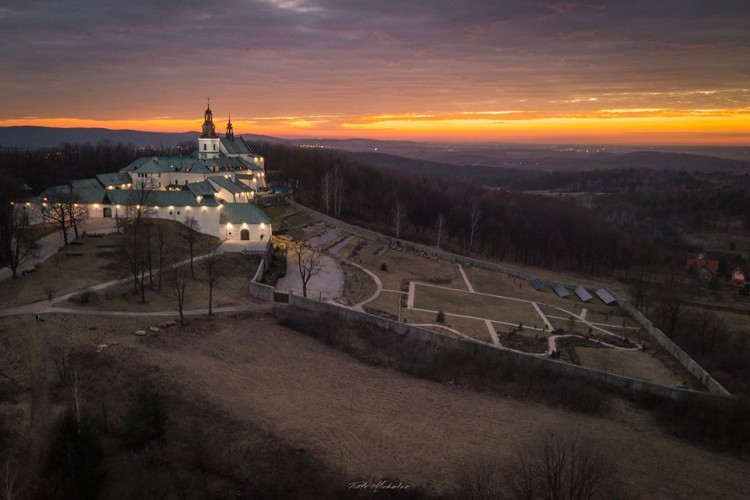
x=479, y=306
x=61, y=273
x=473, y=328
x=277, y=212
x=405, y=266
x=231, y=290
x=633, y=364
x=358, y=285
x=372, y=422
x=386, y=302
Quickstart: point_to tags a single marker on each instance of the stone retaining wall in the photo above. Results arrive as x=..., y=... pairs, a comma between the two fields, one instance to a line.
x=258, y=289
x=685, y=360
x=550, y=365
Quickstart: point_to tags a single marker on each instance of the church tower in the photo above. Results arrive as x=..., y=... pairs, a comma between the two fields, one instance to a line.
x=230, y=130
x=208, y=142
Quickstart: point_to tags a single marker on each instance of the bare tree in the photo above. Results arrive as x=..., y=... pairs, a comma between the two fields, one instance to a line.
x=60, y=353
x=211, y=264
x=149, y=247
x=190, y=236
x=177, y=277
x=481, y=480
x=22, y=245
x=326, y=188
x=338, y=191
x=399, y=216
x=136, y=212
x=309, y=262
x=55, y=211
x=440, y=228
x=669, y=308
x=474, y=223
x=558, y=466
x=163, y=249
x=76, y=213
x=10, y=484
x=134, y=248
x=76, y=394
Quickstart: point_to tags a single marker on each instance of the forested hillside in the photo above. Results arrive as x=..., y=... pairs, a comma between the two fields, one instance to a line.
x=498, y=224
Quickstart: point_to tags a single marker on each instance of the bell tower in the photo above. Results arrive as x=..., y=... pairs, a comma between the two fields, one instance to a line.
x=230, y=130
x=208, y=142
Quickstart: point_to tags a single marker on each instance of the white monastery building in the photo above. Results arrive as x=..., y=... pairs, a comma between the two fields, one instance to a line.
x=216, y=185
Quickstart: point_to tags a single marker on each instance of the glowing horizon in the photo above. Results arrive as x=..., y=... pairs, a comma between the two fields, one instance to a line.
x=663, y=127
x=637, y=72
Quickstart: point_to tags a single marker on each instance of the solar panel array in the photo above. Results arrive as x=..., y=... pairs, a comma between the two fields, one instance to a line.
x=583, y=294
x=560, y=290
x=605, y=296
x=537, y=283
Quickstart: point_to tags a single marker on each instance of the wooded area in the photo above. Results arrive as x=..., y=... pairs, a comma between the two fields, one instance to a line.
x=523, y=228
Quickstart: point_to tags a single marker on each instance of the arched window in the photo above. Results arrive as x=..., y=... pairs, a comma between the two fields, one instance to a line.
x=245, y=234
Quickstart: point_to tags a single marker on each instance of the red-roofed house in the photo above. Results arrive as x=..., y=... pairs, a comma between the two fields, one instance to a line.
x=704, y=268
x=737, y=276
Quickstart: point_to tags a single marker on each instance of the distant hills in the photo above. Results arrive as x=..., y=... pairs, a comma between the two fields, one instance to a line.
x=47, y=137
x=434, y=156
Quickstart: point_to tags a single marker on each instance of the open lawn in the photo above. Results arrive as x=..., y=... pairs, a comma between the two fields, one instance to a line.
x=476, y=305
x=633, y=364
x=231, y=289
x=95, y=260
x=403, y=266
x=474, y=328
x=386, y=302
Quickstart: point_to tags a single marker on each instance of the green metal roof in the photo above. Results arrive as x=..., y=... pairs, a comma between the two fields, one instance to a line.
x=202, y=188
x=236, y=146
x=94, y=194
x=85, y=184
x=114, y=179
x=227, y=184
x=237, y=213
x=161, y=199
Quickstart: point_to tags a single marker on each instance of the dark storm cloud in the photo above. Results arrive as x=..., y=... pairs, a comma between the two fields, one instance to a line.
x=423, y=52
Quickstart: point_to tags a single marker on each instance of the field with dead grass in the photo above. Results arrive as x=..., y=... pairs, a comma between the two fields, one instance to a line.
x=371, y=422
x=363, y=421
x=74, y=267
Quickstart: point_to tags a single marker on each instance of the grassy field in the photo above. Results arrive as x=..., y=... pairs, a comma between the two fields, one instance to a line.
x=231, y=289
x=480, y=306
x=371, y=422
x=473, y=328
x=358, y=285
x=405, y=266
x=63, y=273
x=633, y=364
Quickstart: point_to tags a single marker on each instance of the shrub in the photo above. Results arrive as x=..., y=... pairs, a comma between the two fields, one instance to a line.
x=145, y=420
x=383, y=266
x=73, y=459
x=440, y=318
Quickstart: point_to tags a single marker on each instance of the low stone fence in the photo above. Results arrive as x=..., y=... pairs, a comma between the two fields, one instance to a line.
x=258, y=289
x=685, y=360
x=550, y=365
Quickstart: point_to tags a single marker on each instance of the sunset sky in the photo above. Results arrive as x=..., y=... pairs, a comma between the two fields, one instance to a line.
x=619, y=72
